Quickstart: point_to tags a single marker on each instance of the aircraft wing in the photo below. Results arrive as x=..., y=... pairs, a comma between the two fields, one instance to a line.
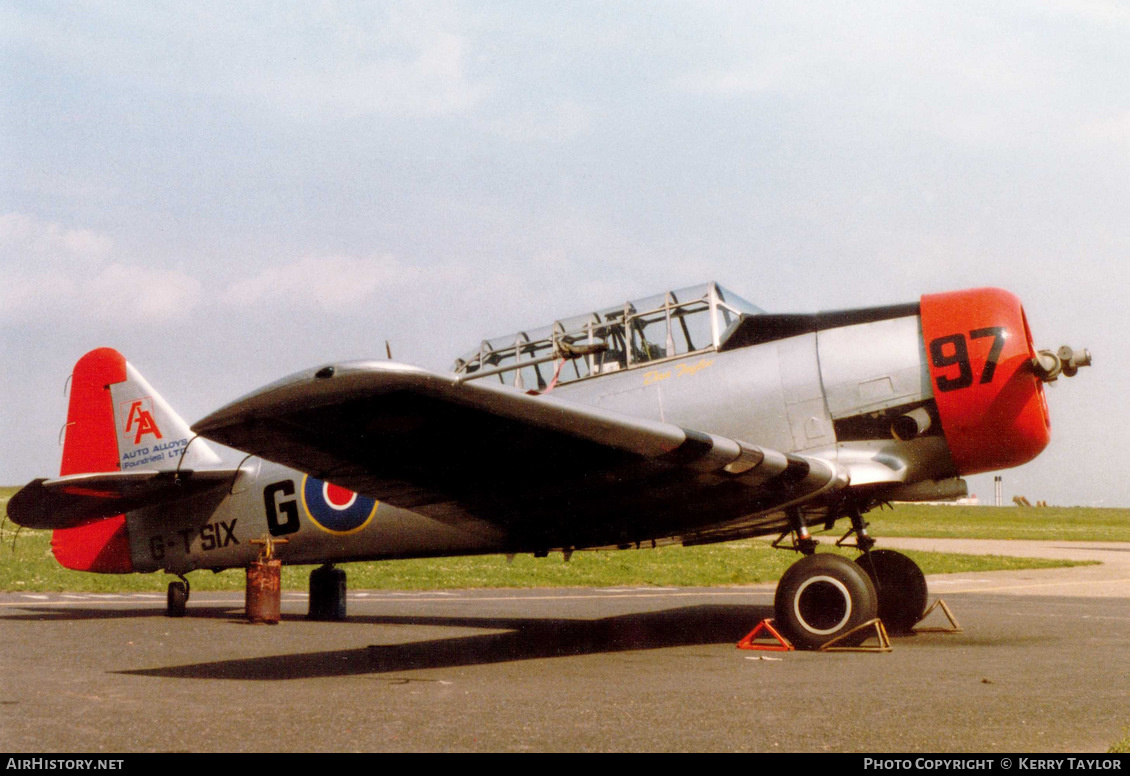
x=549, y=472
x=66, y=502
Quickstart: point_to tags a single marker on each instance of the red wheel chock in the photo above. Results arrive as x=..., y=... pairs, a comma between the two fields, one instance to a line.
x=772, y=642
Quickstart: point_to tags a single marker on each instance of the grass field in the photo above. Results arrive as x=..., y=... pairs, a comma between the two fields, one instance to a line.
x=1033, y=523
x=26, y=563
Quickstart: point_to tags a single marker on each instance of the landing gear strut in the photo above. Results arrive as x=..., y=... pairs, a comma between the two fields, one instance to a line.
x=823, y=596
x=901, y=585
x=176, y=598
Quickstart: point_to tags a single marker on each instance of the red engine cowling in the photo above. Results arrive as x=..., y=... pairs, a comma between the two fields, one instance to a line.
x=990, y=401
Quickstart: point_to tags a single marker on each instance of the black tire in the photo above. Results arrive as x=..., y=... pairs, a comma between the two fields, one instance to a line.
x=822, y=597
x=327, y=594
x=176, y=600
x=901, y=586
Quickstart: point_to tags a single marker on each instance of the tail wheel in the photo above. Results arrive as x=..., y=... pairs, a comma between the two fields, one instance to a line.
x=176, y=599
x=901, y=586
x=822, y=597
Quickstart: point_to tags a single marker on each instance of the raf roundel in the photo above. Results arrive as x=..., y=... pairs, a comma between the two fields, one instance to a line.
x=336, y=509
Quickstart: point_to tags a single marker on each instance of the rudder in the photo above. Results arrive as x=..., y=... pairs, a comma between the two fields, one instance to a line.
x=90, y=444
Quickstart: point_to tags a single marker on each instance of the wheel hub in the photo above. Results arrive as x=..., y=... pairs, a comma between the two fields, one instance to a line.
x=822, y=604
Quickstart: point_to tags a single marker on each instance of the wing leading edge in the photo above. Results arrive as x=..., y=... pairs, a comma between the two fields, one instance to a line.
x=550, y=472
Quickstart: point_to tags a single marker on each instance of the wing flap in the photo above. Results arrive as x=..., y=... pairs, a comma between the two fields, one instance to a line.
x=551, y=472
x=66, y=502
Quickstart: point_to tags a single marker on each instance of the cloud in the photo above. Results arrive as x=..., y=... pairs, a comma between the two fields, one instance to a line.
x=430, y=79
x=562, y=121
x=986, y=76
x=1110, y=131
x=334, y=282
x=23, y=238
x=134, y=292
x=328, y=61
x=50, y=271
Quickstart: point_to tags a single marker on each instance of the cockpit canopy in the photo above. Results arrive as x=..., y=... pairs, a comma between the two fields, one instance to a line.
x=636, y=333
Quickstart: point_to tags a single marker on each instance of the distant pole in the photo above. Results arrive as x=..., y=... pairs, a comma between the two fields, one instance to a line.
x=998, y=490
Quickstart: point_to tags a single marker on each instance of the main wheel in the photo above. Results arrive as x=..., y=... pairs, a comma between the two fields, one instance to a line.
x=901, y=586
x=327, y=594
x=822, y=597
x=176, y=599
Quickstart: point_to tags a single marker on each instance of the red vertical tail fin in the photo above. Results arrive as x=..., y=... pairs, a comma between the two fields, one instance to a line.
x=91, y=445
x=91, y=436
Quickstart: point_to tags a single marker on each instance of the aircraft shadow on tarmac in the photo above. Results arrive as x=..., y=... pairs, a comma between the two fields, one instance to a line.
x=51, y=614
x=523, y=639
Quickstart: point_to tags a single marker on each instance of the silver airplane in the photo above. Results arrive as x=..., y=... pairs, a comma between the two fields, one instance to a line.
x=690, y=417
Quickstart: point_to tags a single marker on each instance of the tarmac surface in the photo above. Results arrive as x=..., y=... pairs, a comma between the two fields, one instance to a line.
x=1041, y=665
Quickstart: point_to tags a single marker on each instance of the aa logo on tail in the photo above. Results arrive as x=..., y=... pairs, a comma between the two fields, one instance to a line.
x=139, y=419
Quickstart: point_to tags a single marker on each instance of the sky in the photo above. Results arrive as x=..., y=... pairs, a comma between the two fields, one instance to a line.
x=228, y=193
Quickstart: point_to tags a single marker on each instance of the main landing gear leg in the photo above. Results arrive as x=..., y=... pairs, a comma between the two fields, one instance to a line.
x=176, y=598
x=821, y=596
x=899, y=582
x=802, y=539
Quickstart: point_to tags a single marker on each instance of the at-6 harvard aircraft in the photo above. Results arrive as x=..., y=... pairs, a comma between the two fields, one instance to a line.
x=690, y=416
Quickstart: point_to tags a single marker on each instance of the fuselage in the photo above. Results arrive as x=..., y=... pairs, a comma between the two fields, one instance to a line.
x=901, y=400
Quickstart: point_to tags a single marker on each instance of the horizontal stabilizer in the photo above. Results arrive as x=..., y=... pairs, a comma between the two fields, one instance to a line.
x=66, y=502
